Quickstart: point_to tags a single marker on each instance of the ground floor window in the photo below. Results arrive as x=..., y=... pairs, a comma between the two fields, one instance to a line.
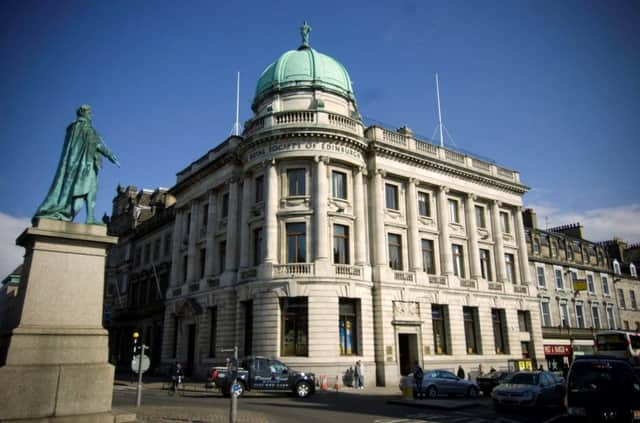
x=470, y=316
x=348, y=325
x=248, y=326
x=499, y=331
x=294, y=326
x=440, y=328
x=213, y=324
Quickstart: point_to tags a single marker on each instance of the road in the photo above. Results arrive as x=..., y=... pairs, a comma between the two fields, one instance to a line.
x=345, y=406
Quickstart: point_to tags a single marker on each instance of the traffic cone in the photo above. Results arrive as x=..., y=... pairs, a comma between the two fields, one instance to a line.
x=336, y=386
x=324, y=384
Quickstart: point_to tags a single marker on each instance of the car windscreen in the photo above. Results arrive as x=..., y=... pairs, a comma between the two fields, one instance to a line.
x=524, y=379
x=600, y=376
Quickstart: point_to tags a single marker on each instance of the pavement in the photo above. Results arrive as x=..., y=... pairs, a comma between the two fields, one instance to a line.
x=173, y=414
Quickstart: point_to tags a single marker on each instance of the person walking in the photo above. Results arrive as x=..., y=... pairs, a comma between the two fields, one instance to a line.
x=360, y=373
x=418, y=374
x=460, y=372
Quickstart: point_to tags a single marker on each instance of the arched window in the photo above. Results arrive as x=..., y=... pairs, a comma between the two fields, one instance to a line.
x=616, y=267
x=632, y=270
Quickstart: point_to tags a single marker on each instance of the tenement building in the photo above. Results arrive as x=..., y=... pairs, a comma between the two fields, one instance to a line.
x=575, y=289
x=321, y=242
x=625, y=261
x=137, y=271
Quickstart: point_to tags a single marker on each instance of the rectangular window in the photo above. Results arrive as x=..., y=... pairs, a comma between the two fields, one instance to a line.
x=481, y=221
x=439, y=317
x=610, y=319
x=176, y=329
x=454, y=214
x=297, y=182
x=391, y=195
x=347, y=326
x=554, y=248
x=580, y=315
x=499, y=331
x=510, y=265
x=205, y=217
x=504, y=223
x=424, y=208
x=258, y=247
x=458, y=260
x=259, y=189
x=472, y=338
x=248, y=326
x=225, y=205
x=341, y=244
x=536, y=245
x=185, y=266
x=605, y=284
x=524, y=320
x=485, y=264
x=222, y=253
x=395, y=251
x=296, y=242
x=621, y=300
x=564, y=315
x=632, y=295
x=213, y=325
x=428, y=261
x=559, y=279
x=596, y=316
x=542, y=282
x=546, y=313
x=590, y=285
x=339, y=184
x=294, y=334
x=203, y=258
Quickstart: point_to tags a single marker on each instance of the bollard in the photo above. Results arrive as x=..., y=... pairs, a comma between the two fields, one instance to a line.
x=336, y=386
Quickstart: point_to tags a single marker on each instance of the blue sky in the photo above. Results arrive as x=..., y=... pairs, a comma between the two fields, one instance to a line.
x=548, y=88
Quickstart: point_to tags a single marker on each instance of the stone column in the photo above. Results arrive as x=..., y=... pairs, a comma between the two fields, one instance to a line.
x=320, y=199
x=446, y=260
x=245, y=208
x=501, y=268
x=210, y=260
x=523, y=256
x=472, y=231
x=379, y=206
x=193, y=238
x=176, y=243
x=54, y=351
x=360, y=227
x=231, y=262
x=270, y=211
x=415, y=264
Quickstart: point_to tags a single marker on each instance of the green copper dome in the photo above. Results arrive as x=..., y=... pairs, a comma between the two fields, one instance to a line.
x=304, y=67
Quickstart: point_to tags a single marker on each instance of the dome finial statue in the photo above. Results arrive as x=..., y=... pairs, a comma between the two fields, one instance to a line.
x=305, y=29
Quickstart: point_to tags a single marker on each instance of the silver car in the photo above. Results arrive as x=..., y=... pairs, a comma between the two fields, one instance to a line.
x=443, y=382
x=529, y=389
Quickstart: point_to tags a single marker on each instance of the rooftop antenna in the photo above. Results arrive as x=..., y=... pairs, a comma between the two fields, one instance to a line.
x=439, y=112
x=236, y=125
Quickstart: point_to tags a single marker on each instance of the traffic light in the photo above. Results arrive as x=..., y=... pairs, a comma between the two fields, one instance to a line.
x=136, y=335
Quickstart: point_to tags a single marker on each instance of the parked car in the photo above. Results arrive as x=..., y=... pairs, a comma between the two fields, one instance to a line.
x=265, y=374
x=603, y=388
x=443, y=382
x=529, y=389
x=488, y=381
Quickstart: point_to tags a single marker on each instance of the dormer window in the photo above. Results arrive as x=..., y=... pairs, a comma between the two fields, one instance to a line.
x=633, y=271
x=616, y=267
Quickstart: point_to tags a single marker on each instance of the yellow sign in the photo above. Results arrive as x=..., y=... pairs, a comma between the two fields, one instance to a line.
x=579, y=284
x=525, y=365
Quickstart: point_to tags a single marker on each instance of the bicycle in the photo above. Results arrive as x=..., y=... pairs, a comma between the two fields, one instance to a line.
x=177, y=385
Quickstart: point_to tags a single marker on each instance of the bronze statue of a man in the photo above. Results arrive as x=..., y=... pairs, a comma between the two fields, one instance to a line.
x=76, y=178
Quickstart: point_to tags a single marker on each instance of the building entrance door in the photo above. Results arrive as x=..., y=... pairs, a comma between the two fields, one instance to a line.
x=407, y=351
x=191, y=349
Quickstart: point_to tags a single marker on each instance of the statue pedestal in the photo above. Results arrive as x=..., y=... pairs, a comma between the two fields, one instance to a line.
x=54, y=348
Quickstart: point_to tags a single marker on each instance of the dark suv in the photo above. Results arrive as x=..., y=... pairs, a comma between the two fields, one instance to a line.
x=603, y=389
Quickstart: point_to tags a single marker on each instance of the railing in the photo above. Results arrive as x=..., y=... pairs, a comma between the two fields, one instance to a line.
x=455, y=156
x=437, y=280
x=520, y=289
x=347, y=271
x=294, y=117
x=495, y=286
x=403, y=276
x=394, y=138
x=293, y=269
x=425, y=147
x=467, y=283
x=342, y=121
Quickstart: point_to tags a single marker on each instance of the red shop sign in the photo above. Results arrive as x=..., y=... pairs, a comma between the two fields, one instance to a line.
x=557, y=350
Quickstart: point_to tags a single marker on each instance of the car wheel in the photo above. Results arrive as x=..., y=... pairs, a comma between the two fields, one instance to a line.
x=472, y=392
x=303, y=389
x=432, y=392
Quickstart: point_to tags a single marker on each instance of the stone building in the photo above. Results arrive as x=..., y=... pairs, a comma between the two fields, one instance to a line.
x=575, y=289
x=625, y=261
x=137, y=271
x=321, y=242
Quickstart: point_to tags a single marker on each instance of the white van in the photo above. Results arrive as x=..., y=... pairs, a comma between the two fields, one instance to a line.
x=619, y=343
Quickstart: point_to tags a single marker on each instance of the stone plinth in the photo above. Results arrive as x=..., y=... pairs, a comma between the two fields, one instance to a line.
x=54, y=348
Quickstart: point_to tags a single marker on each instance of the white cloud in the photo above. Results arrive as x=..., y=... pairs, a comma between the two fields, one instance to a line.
x=599, y=224
x=10, y=253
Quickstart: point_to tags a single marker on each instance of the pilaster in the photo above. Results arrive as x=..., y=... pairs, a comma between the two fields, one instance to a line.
x=270, y=213
x=472, y=231
x=360, y=227
x=446, y=261
x=501, y=268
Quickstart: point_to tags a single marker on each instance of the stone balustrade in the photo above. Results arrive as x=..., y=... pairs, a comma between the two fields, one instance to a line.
x=294, y=269
x=348, y=271
x=306, y=118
